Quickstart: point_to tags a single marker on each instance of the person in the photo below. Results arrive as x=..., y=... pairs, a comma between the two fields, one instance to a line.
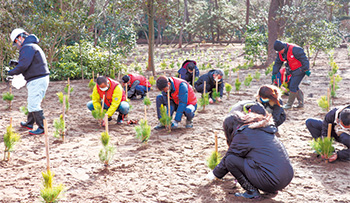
x=137, y=85
x=270, y=97
x=340, y=119
x=186, y=71
x=115, y=98
x=297, y=64
x=283, y=80
x=255, y=157
x=32, y=65
x=211, y=78
x=182, y=100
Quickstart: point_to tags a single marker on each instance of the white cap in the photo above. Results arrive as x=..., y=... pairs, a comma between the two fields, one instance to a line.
x=15, y=33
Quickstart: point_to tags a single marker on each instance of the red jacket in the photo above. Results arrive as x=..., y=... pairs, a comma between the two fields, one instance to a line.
x=292, y=61
x=192, y=99
x=109, y=93
x=142, y=79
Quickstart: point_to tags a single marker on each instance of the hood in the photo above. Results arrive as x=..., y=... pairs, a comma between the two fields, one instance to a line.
x=269, y=129
x=31, y=39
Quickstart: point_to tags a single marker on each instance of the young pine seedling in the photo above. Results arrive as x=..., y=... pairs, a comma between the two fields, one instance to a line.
x=228, y=89
x=238, y=84
x=257, y=75
x=60, y=98
x=204, y=100
x=106, y=154
x=68, y=87
x=323, y=103
x=48, y=192
x=143, y=131
x=7, y=96
x=248, y=79
x=323, y=146
x=152, y=81
x=60, y=127
x=214, y=160
x=269, y=69
x=147, y=101
x=24, y=110
x=10, y=139
x=215, y=94
x=165, y=118
x=98, y=114
x=92, y=84
x=334, y=84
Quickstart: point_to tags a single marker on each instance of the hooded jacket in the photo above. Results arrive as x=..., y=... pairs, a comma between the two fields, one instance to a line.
x=32, y=61
x=185, y=75
x=210, y=83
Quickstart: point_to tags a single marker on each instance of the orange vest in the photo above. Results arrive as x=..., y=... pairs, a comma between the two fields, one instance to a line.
x=109, y=93
x=192, y=99
x=292, y=61
x=143, y=80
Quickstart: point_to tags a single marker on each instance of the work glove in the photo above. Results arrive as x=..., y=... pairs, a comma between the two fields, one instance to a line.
x=273, y=78
x=13, y=63
x=9, y=78
x=308, y=72
x=174, y=124
x=211, y=176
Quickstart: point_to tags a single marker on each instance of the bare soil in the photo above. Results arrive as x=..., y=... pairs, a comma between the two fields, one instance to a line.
x=171, y=167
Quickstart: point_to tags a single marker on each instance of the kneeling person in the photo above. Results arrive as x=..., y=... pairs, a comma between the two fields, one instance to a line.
x=137, y=85
x=114, y=98
x=182, y=100
x=211, y=78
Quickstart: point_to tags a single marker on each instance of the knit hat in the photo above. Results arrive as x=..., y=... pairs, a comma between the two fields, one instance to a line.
x=278, y=46
x=190, y=66
x=258, y=108
x=162, y=82
x=125, y=78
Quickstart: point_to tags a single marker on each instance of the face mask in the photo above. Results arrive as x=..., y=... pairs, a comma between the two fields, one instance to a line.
x=264, y=100
x=104, y=89
x=217, y=79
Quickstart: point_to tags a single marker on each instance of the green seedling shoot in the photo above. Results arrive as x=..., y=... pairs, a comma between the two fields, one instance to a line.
x=215, y=94
x=147, y=101
x=98, y=114
x=106, y=154
x=323, y=103
x=165, y=118
x=60, y=98
x=143, y=131
x=228, y=89
x=24, y=110
x=334, y=84
x=257, y=75
x=323, y=146
x=67, y=87
x=269, y=69
x=10, y=139
x=238, y=84
x=204, y=100
x=172, y=65
x=214, y=160
x=163, y=65
x=247, y=80
x=60, y=127
x=7, y=96
x=152, y=81
x=48, y=192
x=92, y=84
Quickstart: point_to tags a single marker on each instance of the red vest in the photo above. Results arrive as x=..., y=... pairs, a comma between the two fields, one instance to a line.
x=109, y=93
x=192, y=99
x=143, y=80
x=292, y=61
x=283, y=79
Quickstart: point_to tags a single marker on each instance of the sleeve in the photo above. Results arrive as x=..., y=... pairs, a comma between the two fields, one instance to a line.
x=221, y=170
x=278, y=114
x=117, y=98
x=299, y=54
x=197, y=71
x=25, y=59
x=329, y=118
x=183, y=72
x=199, y=84
x=278, y=64
x=345, y=153
x=132, y=89
x=221, y=87
x=183, y=98
x=96, y=100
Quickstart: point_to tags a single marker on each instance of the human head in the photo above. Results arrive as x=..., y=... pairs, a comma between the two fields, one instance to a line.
x=125, y=79
x=17, y=36
x=163, y=83
x=190, y=67
x=345, y=118
x=102, y=83
x=268, y=93
x=279, y=46
x=258, y=109
x=218, y=74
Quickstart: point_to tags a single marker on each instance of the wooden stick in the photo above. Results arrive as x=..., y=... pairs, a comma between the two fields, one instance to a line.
x=11, y=122
x=193, y=78
x=102, y=103
x=106, y=123
x=46, y=146
x=63, y=116
x=169, y=106
x=329, y=130
x=118, y=75
x=216, y=85
x=329, y=98
x=126, y=90
x=145, y=112
x=93, y=76
x=179, y=75
x=216, y=142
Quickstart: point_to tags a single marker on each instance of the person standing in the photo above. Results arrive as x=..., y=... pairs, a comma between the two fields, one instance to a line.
x=211, y=78
x=297, y=64
x=32, y=65
x=137, y=85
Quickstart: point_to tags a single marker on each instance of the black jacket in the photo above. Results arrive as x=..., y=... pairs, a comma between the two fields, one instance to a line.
x=210, y=83
x=278, y=114
x=266, y=162
x=32, y=62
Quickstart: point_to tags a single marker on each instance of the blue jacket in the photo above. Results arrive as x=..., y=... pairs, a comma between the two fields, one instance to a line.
x=32, y=61
x=183, y=97
x=299, y=54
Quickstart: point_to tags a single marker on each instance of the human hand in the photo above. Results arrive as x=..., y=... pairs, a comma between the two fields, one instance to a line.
x=218, y=99
x=210, y=176
x=308, y=73
x=333, y=157
x=211, y=101
x=273, y=78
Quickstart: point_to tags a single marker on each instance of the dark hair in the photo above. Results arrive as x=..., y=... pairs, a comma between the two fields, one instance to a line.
x=125, y=78
x=258, y=108
x=101, y=80
x=278, y=45
x=345, y=116
x=190, y=66
x=271, y=92
x=162, y=82
x=230, y=125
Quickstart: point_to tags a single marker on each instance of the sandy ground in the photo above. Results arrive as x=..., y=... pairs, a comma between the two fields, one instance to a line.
x=171, y=167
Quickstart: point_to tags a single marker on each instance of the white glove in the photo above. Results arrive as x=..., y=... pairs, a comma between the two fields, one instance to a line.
x=211, y=176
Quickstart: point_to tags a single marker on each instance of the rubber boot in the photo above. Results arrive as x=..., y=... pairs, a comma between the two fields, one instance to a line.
x=291, y=98
x=300, y=98
x=29, y=123
x=251, y=191
x=39, y=120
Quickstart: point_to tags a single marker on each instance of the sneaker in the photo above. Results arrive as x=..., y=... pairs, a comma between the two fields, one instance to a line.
x=38, y=131
x=189, y=124
x=120, y=118
x=159, y=126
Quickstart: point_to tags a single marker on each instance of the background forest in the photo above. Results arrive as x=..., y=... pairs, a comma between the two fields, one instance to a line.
x=79, y=37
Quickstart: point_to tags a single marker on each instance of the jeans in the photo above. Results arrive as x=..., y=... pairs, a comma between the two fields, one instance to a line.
x=295, y=80
x=123, y=107
x=141, y=90
x=36, y=93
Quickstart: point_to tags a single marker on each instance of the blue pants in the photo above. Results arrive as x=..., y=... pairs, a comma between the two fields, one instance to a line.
x=295, y=80
x=141, y=90
x=189, y=110
x=314, y=126
x=123, y=107
x=36, y=92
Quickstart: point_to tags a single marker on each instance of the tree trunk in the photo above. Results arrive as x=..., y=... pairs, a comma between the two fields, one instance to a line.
x=150, y=8
x=188, y=22
x=217, y=23
x=92, y=11
x=183, y=25
x=159, y=27
x=247, y=13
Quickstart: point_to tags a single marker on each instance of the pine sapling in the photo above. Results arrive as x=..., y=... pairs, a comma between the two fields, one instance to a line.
x=24, y=110
x=106, y=154
x=269, y=69
x=143, y=132
x=48, y=192
x=60, y=98
x=204, y=100
x=215, y=157
x=228, y=88
x=323, y=103
x=152, y=81
x=257, y=75
x=98, y=114
x=238, y=84
x=60, y=127
x=10, y=139
x=165, y=118
x=68, y=87
x=323, y=146
x=7, y=96
x=215, y=94
x=248, y=79
x=92, y=84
